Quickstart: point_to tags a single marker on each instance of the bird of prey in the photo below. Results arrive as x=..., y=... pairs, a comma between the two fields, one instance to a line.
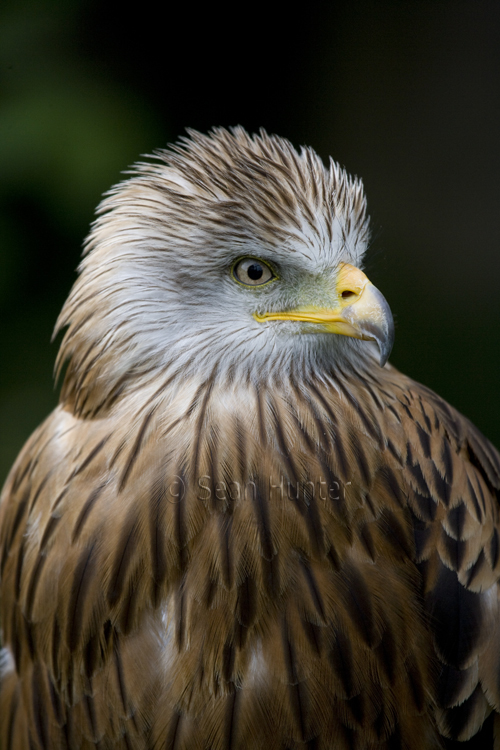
x=242, y=528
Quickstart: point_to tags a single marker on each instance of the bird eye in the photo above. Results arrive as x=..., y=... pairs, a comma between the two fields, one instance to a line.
x=252, y=272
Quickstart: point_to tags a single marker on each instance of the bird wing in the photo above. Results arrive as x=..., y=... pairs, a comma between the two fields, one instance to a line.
x=451, y=478
x=74, y=673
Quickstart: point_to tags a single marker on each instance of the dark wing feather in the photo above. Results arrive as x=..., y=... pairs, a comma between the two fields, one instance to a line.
x=453, y=483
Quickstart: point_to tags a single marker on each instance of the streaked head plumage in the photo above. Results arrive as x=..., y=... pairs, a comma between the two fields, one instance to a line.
x=156, y=287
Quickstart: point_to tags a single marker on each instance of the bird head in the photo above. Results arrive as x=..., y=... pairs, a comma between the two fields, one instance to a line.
x=226, y=253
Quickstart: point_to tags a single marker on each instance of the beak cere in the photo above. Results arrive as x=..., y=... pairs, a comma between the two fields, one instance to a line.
x=361, y=312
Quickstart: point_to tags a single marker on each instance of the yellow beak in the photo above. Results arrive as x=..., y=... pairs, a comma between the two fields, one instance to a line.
x=362, y=312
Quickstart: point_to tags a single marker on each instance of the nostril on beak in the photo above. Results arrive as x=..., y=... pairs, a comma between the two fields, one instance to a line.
x=348, y=293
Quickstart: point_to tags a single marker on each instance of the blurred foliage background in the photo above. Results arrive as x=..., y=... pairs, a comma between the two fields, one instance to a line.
x=405, y=93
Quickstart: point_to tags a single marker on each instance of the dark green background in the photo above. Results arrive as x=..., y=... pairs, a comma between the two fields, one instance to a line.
x=404, y=94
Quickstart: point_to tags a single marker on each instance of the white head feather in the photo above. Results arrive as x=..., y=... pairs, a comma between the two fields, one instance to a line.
x=155, y=289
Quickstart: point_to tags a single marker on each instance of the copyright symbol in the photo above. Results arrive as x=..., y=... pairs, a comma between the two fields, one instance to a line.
x=175, y=490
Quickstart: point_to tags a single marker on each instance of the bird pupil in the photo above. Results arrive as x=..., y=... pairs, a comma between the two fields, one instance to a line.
x=255, y=271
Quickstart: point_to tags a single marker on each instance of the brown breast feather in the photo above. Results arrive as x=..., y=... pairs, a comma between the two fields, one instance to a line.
x=294, y=565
